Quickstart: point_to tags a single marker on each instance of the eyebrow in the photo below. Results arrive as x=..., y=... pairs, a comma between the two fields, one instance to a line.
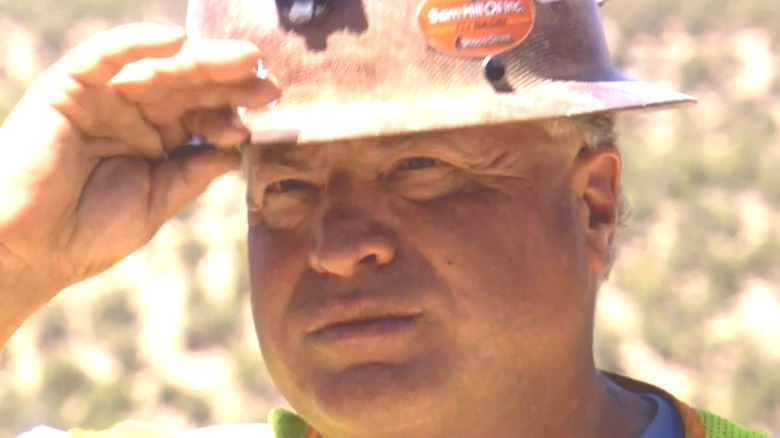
x=287, y=156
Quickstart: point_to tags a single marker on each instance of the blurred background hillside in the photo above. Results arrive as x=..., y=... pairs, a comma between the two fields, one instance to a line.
x=693, y=304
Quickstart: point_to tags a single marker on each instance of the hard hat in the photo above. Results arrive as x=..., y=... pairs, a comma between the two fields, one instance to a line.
x=359, y=68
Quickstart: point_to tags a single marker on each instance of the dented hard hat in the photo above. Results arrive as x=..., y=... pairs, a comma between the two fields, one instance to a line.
x=358, y=68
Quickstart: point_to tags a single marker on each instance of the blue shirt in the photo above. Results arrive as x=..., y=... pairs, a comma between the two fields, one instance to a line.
x=666, y=423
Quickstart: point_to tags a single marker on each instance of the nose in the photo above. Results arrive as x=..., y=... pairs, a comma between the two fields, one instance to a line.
x=350, y=241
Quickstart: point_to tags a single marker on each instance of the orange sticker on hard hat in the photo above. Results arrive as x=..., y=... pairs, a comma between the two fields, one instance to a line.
x=476, y=28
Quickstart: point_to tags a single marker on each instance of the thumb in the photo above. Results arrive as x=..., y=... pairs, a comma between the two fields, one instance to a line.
x=181, y=179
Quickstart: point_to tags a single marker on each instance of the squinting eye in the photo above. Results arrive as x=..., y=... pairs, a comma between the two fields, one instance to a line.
x=289, y=185
x=418, y=163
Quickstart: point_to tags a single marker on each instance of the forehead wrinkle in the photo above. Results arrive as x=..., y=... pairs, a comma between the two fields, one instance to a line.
x=475, y=148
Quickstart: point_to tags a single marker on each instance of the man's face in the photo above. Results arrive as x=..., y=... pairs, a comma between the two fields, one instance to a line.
x=407, y=283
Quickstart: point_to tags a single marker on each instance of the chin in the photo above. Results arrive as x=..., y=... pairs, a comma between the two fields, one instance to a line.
x=376, y=399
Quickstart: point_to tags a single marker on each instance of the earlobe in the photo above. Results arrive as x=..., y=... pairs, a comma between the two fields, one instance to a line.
x=596, y=180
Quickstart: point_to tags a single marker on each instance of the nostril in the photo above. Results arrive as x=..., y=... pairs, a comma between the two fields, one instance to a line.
x=369, y=260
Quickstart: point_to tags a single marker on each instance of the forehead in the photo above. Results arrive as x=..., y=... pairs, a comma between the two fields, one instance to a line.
x=528, y=139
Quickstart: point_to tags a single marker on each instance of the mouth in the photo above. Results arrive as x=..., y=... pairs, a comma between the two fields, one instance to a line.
x=363, y=328
x=359, y=316
x=367, y=327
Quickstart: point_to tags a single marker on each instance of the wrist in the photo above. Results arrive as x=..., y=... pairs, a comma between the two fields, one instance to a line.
x=22, y=293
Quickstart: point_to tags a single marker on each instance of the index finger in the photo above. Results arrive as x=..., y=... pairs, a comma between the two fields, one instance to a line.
x=198, y=64
x=102, y=56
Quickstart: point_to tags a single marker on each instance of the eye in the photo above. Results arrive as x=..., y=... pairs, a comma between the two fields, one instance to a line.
x=289, y=185
x=416, y=163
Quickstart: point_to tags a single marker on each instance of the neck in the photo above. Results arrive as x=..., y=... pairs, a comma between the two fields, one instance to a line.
x=589, y=405
x=583, y=404
x=594, y=407
x=559, y=401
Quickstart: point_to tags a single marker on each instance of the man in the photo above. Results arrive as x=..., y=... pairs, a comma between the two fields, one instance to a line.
x=431, y=203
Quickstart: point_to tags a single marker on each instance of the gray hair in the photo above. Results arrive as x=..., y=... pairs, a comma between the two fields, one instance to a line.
x=596, y=131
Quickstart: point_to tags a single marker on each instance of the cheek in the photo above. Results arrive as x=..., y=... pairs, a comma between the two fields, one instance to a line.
x=275, y=263
x=507, y=259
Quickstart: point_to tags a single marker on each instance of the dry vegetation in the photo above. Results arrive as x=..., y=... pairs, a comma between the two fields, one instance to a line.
x=693, y=304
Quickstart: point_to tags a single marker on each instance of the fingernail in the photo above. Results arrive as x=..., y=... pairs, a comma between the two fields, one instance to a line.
x=277, y=90
x=265, y=75
x=237, y=124
x=261, y=72
x=172, y=31
x=232, y=137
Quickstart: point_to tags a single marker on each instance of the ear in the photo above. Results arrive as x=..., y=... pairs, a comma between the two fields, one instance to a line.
x=596, y=183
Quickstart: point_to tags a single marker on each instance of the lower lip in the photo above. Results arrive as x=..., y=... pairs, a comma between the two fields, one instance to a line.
x=366, y=329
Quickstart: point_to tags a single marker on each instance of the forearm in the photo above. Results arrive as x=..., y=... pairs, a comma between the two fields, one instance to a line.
x=12, y=314
x=21, y=295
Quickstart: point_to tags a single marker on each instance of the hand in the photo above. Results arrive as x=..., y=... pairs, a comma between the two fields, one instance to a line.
x=83, y=175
